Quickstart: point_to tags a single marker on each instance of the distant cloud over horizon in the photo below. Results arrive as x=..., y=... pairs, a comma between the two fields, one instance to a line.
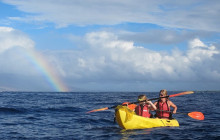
x=112, y=60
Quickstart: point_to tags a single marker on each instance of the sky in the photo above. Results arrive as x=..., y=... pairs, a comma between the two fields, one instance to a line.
x=109, y=45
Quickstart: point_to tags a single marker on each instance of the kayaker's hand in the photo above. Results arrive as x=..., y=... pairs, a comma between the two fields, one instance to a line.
x=174, y=111
x=149, y=102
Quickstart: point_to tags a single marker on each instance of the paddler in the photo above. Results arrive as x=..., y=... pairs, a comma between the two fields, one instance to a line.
x=144, y=107
x=163, y=106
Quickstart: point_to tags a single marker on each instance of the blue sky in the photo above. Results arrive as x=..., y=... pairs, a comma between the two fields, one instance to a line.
x=111, y=45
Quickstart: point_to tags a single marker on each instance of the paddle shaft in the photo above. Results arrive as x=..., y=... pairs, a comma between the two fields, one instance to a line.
x=137, y=102
x=173, y=95
x=148, y=100
x=171, y=111
x=194, y=115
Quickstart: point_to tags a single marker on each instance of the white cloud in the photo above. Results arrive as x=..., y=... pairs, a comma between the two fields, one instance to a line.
x=10, y=38
x=163, y=37
x=110, y=41
x=197, y=43
x=200, y=15
x=13, y=52
x=199, y=51
x=111, y=60
x=18, y=70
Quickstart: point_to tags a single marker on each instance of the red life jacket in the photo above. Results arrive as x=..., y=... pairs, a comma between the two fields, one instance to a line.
x=142, y=111
x=163, y=106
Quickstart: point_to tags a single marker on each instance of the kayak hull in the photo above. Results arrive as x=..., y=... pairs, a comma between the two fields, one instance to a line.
x=127, y=119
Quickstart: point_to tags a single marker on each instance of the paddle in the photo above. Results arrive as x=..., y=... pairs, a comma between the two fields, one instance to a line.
x=194, y=115
x=173, y=95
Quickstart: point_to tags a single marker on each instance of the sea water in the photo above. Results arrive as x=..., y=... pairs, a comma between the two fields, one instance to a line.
x=62, y=115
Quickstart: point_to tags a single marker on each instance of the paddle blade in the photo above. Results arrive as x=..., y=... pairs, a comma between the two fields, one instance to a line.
x=95, y=110
x=182, y=93
x=196, y=115
x=129, y=105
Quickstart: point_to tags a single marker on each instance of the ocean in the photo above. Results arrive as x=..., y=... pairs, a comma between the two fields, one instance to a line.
x=62, y=115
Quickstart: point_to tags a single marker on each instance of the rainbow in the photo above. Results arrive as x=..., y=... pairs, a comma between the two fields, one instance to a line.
x=47, y=70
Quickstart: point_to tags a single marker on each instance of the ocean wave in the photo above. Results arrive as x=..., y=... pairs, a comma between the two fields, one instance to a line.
x=9, y=110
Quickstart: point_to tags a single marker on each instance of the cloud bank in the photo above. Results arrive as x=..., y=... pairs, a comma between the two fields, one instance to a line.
x=197, y=15
x=18, y=70
x=108, y=60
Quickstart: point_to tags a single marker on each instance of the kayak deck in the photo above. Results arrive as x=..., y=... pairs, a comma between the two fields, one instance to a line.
x=127, y=119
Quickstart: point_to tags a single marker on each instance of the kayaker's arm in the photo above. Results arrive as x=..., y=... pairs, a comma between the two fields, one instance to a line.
x=174, y=107
x=151, y=105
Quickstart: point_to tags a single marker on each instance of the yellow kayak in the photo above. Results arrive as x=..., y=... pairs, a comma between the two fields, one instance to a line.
x=127, y=119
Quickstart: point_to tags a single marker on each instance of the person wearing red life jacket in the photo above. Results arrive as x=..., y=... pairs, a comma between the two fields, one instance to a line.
x=163, y=106
x=144, y=107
